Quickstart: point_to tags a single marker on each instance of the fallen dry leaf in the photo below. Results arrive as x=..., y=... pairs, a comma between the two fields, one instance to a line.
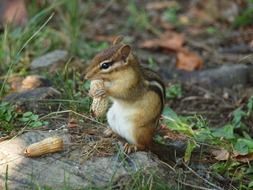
x=170, y=41
x=161, y=5
x=244, y=158
x=221, y=154
x=166, y=133
x=73, y=123
x=14, y=12
x=188, y=61
x=206, y=11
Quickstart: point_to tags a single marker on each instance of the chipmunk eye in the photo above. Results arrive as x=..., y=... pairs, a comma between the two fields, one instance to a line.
x=105, y=65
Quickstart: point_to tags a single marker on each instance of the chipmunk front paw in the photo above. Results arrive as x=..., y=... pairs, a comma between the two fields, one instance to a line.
x=129, y=148
x=99, y=93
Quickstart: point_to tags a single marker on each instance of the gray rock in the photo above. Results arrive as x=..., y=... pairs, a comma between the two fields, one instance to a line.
x=224, y=76
x=35, y=94
x=65, y=169
x=33, y=100
x=49, y=59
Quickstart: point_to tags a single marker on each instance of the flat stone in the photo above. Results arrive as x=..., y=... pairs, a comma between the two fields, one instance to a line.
x=64, y=169
x=223, y=76
x=34, y=94
x=33, y=100
x=50, y=59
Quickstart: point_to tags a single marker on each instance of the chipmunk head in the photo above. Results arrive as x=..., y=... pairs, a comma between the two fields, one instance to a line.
x=109, y=61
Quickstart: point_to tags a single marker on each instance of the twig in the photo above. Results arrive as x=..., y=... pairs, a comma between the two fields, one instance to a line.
x=208, y=182
x=211, y=93
x=71, y=111
x=169, y=166
x=194, y=186
x=247, y=57
x=185, y=112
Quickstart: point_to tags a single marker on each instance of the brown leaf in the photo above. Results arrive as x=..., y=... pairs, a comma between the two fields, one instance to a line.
x=188, y=61
x=14, y=12
x=244, y=158
x=166, y=133
x=221, y=154
x=224, y=154
x=161, y=5
x=207, y=11
x=72, y=123
x=169, y=41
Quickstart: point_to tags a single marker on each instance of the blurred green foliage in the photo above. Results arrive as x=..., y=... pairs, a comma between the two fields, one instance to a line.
x=245, y=18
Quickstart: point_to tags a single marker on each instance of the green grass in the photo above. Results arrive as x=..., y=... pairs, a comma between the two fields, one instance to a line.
x=53, y=26
x=11, y=119
x=138, y=16
x=233, y=137
x=174, y=91
x=245, y=18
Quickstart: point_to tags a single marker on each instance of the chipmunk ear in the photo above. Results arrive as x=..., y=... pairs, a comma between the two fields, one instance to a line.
x=117, y=40
x=125, y=51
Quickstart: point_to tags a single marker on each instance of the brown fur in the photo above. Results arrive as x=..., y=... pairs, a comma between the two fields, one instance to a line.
x=107, y=54
x=147, y=118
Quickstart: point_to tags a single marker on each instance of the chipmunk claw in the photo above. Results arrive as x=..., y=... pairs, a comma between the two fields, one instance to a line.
x=99, y=93
x=129, y=148
x=109, y=133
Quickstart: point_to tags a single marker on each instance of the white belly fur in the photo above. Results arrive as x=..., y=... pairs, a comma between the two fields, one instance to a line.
x=119, y=119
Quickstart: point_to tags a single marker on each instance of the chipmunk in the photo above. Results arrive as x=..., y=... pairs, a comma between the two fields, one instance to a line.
x=137, y=94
